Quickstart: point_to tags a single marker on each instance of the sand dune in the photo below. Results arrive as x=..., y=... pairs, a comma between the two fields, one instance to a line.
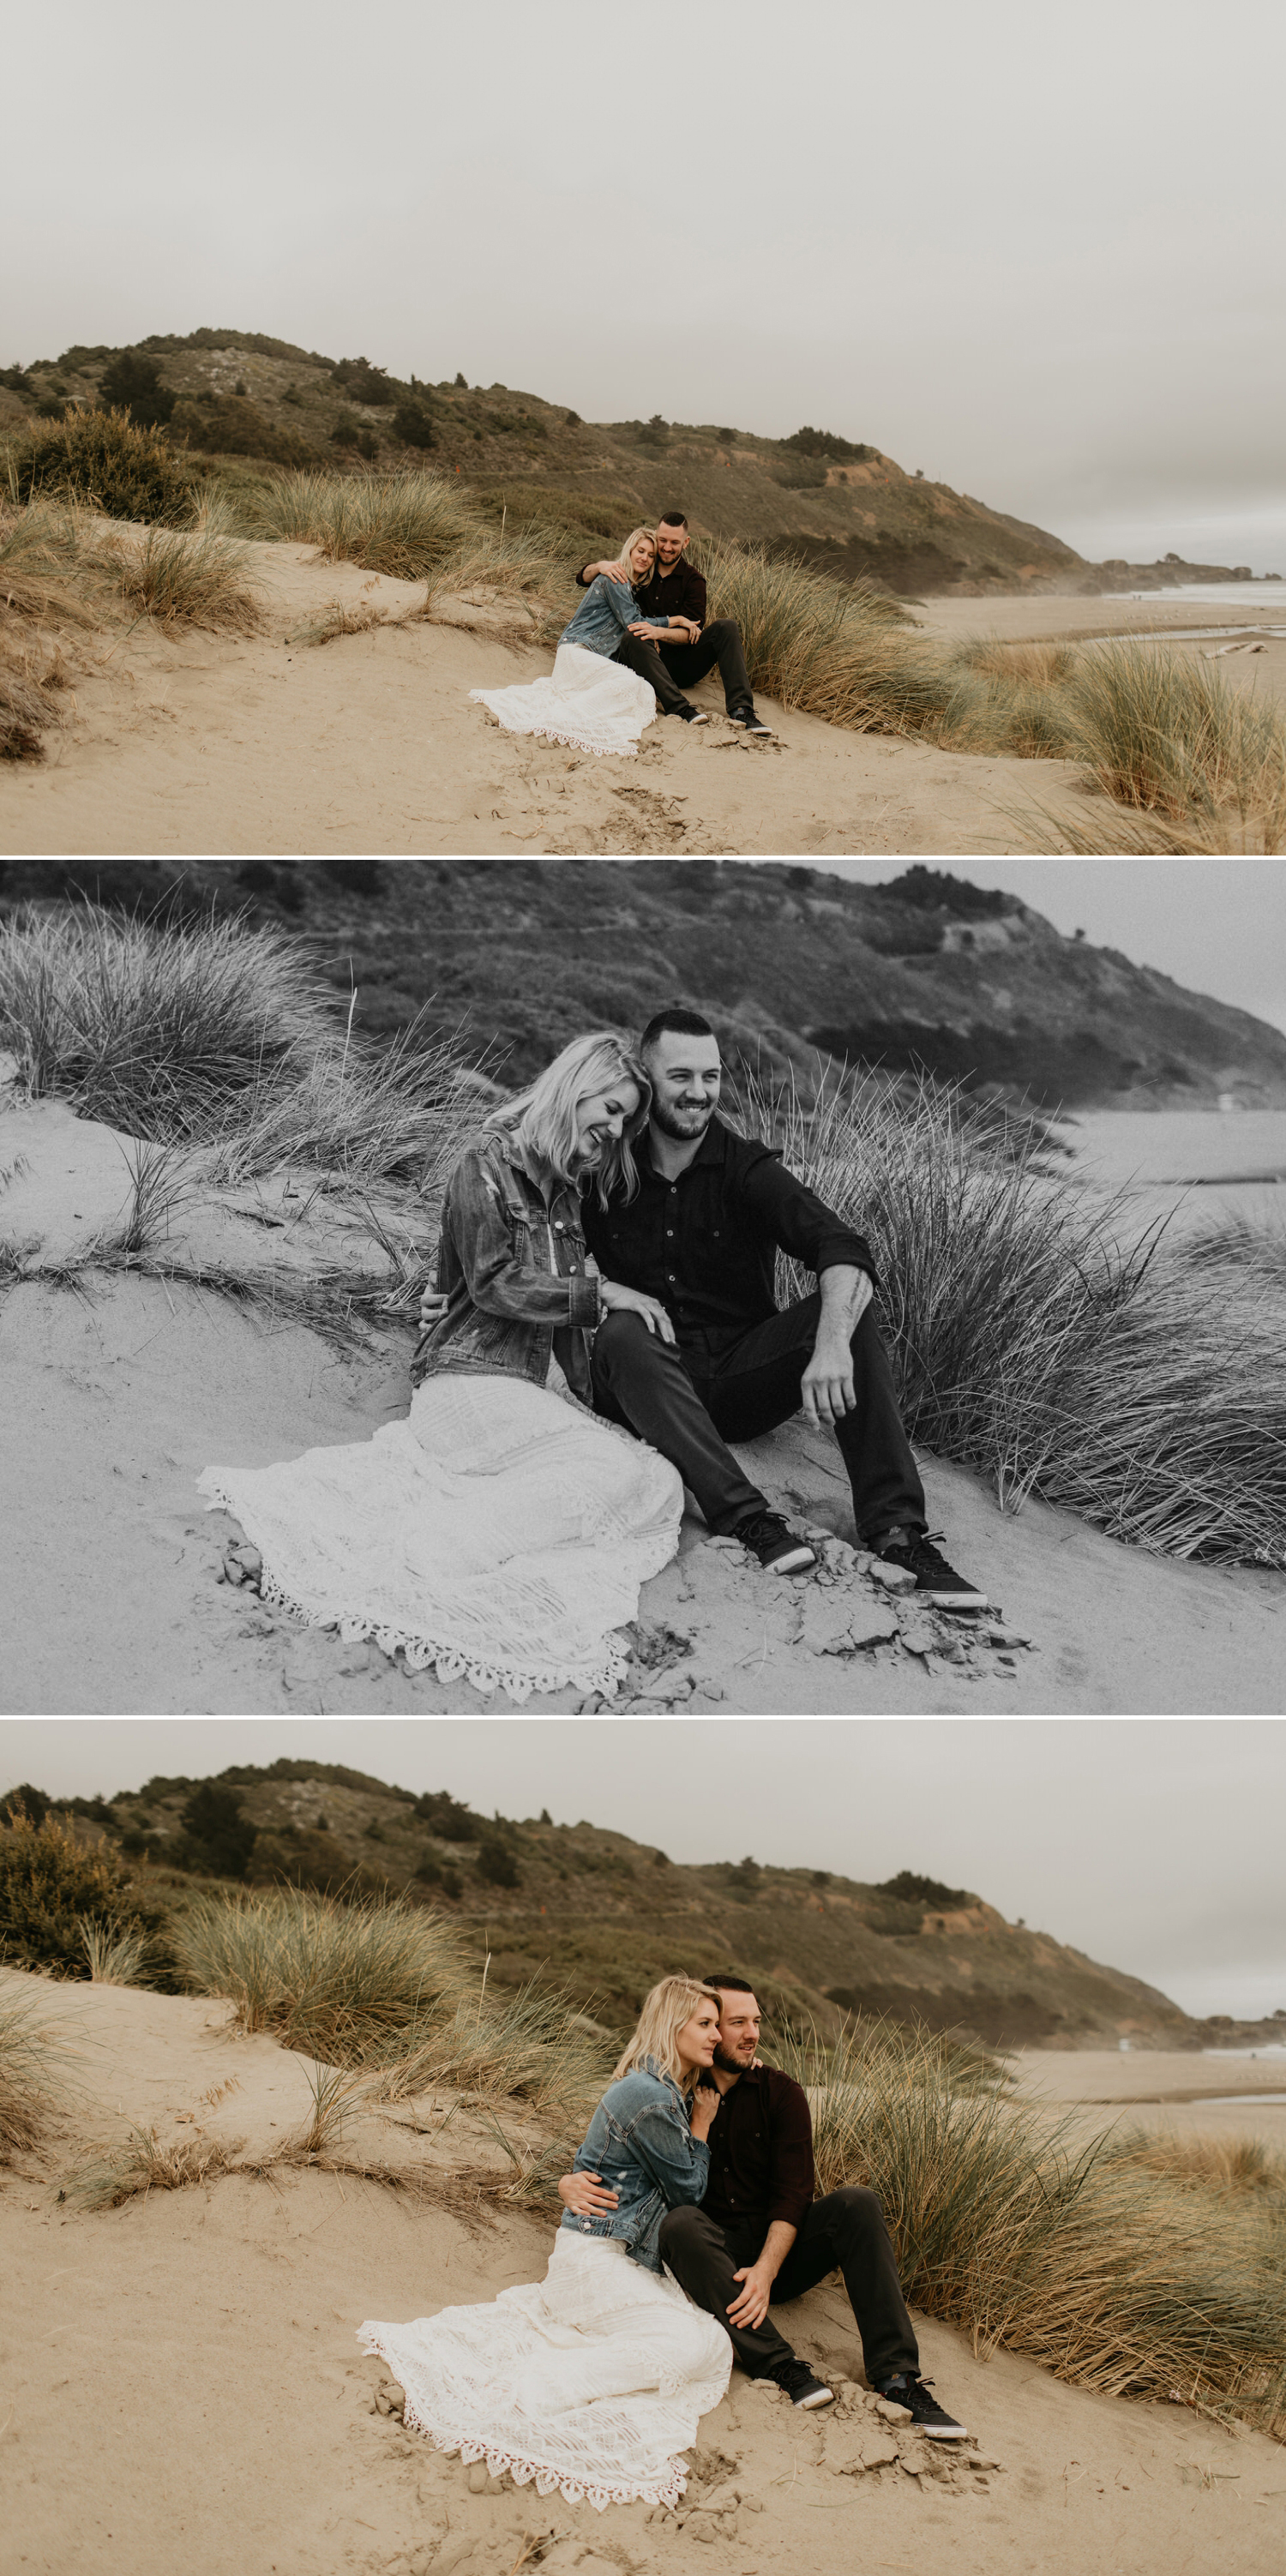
x=180, y=2385
x=371, y=743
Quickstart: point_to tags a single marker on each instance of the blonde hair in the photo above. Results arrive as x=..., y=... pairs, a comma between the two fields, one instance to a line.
x=664, y=2013
x=648, y=535
x=542, y=1118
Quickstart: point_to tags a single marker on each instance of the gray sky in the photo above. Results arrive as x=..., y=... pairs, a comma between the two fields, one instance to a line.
x=1040, y=255
x=1153, y=1844
x=1216, y=925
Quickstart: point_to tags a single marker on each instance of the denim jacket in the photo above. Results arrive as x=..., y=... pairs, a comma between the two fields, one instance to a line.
x=640, y=2141
x=606, y=613
x=512, y=1268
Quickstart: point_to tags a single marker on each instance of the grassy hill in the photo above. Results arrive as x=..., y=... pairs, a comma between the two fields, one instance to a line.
x=929, y=969
x=263, y=402
x=580, y=1906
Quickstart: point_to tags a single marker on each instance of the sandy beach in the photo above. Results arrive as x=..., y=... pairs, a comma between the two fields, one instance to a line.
x=180, y=2381
x=370, y=742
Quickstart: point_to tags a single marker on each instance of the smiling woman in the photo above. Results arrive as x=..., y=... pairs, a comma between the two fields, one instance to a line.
x=499, y=1532
x=589, y=699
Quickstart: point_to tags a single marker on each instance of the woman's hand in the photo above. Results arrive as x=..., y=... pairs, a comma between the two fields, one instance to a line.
x=705, y=2102
x=652, y=634
x=433, y=1306
x=616, y=1299
x=587, y=2195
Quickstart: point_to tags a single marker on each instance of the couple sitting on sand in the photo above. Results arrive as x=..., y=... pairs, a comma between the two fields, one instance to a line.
x=638, y=640
x=689, y=2212
x=610, y=1221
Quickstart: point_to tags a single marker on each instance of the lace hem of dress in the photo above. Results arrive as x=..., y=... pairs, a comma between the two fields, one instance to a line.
x=520, y=1681
x=596, y=2491
x=575, y=741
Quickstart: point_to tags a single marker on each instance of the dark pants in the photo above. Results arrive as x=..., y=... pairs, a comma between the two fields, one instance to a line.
x=672, y=668
x=690, y=1403
x=844, y=2232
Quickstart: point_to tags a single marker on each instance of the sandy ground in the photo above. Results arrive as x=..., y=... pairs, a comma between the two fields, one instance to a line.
x=1169, y=2091
x=116, y=1390
x=370, y=743
x=180, y=2385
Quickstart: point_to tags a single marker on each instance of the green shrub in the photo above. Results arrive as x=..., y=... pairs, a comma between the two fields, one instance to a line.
x=496, y=1863
x=49, y=1884
x=132, y=383
x=107, y=461
x=412, y=424
x=910, y=1889
x=220, y=1836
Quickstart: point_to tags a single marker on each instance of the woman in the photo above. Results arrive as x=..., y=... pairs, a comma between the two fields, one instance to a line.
x=589, y=700
x=594, y=2378
x=500, y=1532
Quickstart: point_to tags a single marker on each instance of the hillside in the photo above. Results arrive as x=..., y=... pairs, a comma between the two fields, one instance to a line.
x=928, y=969
x=265, y=403
x=581, y=1906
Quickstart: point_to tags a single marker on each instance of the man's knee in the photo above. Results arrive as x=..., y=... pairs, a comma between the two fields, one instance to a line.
x=683, y=2232
x=855, y=2208
x=723, y=631
x=623, y=1342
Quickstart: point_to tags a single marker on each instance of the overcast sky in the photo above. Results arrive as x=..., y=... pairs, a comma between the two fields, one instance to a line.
x=1039, y=253
x=1155, y=1845
x=1216, y=925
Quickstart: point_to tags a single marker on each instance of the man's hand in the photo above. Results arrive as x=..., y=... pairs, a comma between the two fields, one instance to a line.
x=611, y=571
x=651, y=634
x=586, y=2195
x=826, y=1389
x=615, y=1299
x=750, y=2307
x=433, y=1306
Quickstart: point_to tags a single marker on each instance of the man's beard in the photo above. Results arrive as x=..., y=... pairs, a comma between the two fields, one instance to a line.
x=682, y=1124
x=731, y=2065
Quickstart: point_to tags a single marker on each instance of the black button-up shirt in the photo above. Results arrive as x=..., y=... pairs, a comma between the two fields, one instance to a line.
x=761, y=2153
x=705, y=1245
x=681, y=592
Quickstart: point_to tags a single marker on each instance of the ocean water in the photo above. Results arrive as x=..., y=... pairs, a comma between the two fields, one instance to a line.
x=1216, y=594
x=1200, y=1167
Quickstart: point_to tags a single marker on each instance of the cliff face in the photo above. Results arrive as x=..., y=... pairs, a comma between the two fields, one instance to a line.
x=929, y=970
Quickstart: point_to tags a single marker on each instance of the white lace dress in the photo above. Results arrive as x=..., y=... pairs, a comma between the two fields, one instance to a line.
x=500, y=1532
x=590, y=2381
x=586, y=700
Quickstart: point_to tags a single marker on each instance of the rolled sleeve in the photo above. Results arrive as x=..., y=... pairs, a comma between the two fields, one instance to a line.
x=801, y=1223
x=498, y=1281
x=793, y=2178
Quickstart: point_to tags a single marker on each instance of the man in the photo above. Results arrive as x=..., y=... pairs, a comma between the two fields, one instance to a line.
x=677, y=591
x=759, y=2238
x=713, y=1359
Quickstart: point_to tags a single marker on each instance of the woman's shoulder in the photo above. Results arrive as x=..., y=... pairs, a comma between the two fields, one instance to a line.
x=638, y=2088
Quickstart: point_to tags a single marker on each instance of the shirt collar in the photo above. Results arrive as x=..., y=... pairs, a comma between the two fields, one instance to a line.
x=712, y=1149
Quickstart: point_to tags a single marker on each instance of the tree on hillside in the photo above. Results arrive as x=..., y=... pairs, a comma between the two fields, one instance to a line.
x=133, y=383
x=220, y=1838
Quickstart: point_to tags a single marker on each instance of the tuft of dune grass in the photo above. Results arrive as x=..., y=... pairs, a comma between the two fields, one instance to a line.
x=1038, y=1337
x=184, y=578
x=1016, y=2230
x=322, y=1975
x=208, y=1032
x=401, y=524
x=31, y=2061
x=1229, y=2165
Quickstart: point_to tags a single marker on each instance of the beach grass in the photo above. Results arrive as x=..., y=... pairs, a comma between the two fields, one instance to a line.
x=1027, y=2237
x=209, y=1033
x=190, y=578
x=32, y=2061
x=116, y=1955
x=322, y=1975
x=1038, y=1336
x=401, y=524
x=1231, y=2165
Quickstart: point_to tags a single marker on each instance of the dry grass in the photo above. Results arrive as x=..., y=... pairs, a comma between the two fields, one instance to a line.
x=116, y=1956
x=1011, y=2229
x=1038, y=1337
x=32, y=2057
x=340, y=1981
x=1234, y=2166
x=841, y=651
x=196, y=579
x=1168, y=736
x=210, y=1033
x=401, y=524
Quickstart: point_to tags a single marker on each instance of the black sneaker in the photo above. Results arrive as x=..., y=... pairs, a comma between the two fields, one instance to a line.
x=751, y=723
x=930, y=2418
x=800, y=2386
x=935, y=1580
x=777, y=1548
x=692, y=715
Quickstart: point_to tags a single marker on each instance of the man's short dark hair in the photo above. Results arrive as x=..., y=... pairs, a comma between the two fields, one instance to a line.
x=728, y=1982
x=674, y=1017
x=672, y=519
